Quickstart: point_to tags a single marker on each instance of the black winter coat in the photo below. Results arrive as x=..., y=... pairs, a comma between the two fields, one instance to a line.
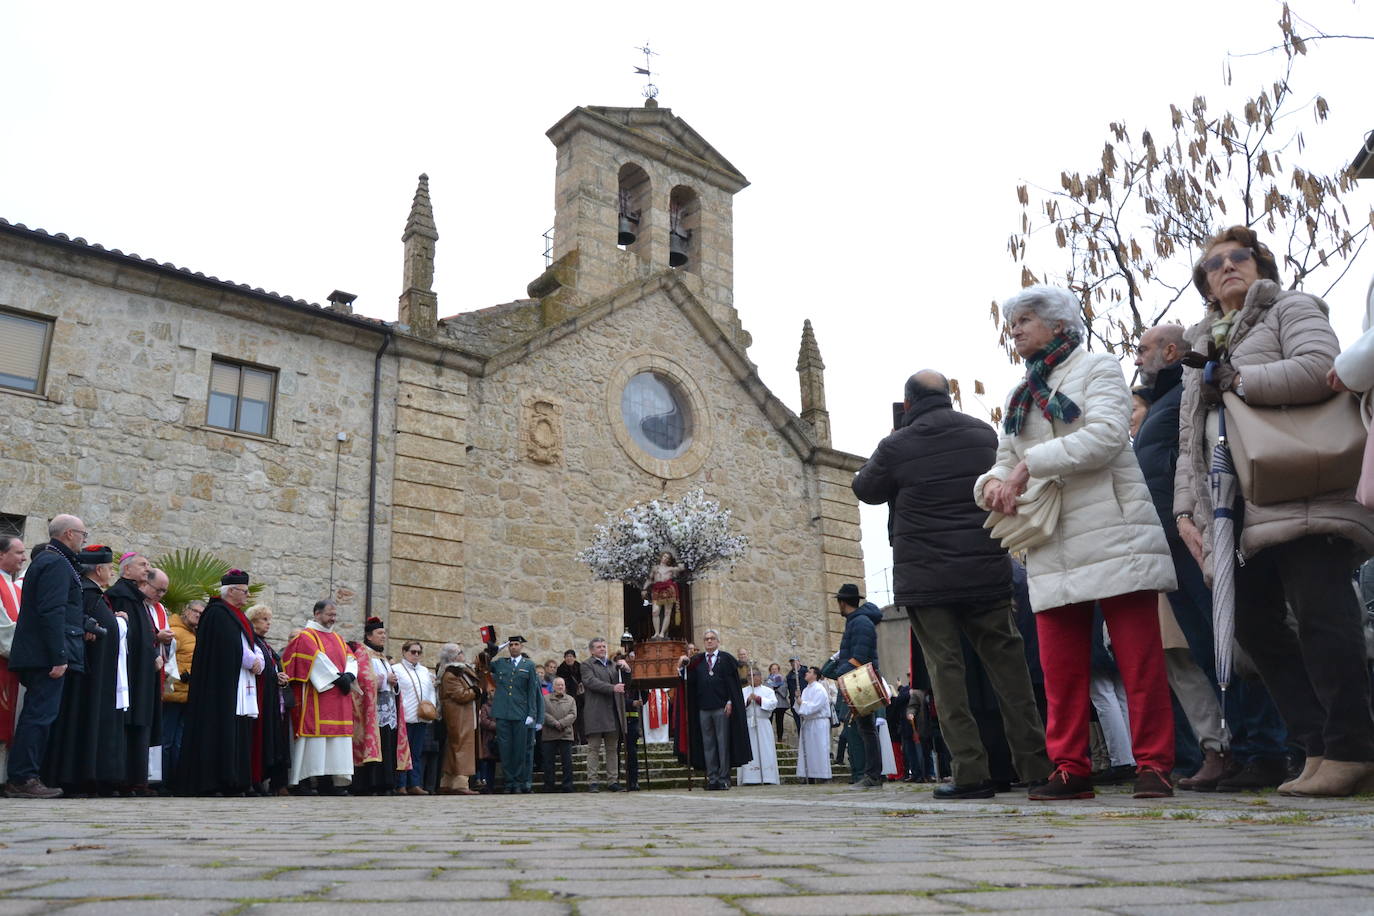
x=941, y=553
x=1156, y=445
x=51, y=618
x=860, y=639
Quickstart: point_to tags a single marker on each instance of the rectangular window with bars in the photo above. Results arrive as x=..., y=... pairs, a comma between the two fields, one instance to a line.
x=241, y=398
x=11, y=525
x=24, y=341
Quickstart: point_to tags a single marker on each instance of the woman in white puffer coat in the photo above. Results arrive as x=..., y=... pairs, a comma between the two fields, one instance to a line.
x=1069, y=421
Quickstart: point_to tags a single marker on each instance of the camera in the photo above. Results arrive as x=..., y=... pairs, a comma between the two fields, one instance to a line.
x=93, y=626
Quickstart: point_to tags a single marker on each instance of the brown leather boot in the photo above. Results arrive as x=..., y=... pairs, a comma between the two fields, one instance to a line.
x=1215, y=765
x=1309, y=769
x=1337, y=779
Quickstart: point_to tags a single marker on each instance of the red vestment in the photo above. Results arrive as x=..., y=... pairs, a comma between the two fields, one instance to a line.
x=317, y=715
x=9, y=681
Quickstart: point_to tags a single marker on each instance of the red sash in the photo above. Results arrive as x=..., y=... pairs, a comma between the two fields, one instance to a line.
x=658, y=708
x=10, y=596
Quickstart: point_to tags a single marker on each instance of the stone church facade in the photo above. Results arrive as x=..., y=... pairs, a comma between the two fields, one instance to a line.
x=469, y=457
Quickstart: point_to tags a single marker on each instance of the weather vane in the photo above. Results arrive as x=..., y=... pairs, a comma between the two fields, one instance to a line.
x=650, y=90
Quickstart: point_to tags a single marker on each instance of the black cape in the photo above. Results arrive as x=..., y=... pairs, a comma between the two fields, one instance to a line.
x=217, y=744
x=272, y=734
x=86, y=745
x=145, y=681
x=740, y=751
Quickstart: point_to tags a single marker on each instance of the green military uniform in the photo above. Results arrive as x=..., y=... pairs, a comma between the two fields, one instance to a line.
x=517, y=699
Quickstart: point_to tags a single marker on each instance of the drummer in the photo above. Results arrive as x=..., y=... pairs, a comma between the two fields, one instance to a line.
x=859, y=647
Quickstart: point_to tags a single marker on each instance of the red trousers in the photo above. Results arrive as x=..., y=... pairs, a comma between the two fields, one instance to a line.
x=1065, y=655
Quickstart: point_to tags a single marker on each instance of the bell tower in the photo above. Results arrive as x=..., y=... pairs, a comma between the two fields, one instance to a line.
x=638, y=191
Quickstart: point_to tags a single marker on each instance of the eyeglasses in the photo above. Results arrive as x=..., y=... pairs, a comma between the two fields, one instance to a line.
x=157, y=591
x=1235, y=256
x=415, y=652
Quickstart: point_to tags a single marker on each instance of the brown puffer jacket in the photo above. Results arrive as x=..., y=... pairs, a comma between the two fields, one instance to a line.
x=1283, y=346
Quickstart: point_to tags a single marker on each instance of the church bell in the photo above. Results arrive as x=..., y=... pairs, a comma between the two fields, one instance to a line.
x=677, y=247
x=629, y=224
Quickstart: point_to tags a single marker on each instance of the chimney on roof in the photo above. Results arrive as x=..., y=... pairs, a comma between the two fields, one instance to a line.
x=419, y=306
x=341, y=302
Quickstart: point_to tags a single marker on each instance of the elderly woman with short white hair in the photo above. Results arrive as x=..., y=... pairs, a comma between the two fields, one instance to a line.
x=1068, y=423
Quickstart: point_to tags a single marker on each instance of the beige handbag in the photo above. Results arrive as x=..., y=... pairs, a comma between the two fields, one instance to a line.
x=1287, y=453
x=1037, y=514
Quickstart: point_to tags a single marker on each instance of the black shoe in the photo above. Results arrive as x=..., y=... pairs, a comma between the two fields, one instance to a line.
x=1116, y=775
x=1259, y=773
x=713, y=787
x=1152, y=784
x=951, y=790
x=632, y=788
x=614, y=787
x=1062, y=786
x=593, y=787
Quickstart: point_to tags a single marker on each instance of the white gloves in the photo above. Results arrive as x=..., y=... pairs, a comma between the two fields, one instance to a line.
x=529, y=720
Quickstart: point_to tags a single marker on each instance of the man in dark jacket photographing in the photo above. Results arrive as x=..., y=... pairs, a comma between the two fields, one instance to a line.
x=953, y=578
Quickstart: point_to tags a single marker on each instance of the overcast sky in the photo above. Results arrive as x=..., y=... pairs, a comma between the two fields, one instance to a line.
x=278, y=144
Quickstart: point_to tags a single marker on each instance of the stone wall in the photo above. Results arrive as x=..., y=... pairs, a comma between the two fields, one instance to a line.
x=527, y=516
x=118, y=432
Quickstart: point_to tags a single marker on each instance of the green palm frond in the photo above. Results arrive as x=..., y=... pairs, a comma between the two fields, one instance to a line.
x=192, y=574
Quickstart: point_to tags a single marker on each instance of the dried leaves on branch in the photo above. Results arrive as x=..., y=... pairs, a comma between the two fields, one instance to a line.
x=1129, y=231
x=694, y=529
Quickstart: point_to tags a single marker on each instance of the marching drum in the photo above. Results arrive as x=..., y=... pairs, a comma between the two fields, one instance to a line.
x=864, y=690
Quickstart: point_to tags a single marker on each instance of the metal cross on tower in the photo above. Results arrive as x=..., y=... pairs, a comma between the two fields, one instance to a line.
x=650, y=90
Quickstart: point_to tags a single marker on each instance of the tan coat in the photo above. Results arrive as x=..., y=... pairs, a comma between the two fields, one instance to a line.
x=1108, y=540
x=559, y=715
x=186, y=648
x=1283, y=346
x=458, y=695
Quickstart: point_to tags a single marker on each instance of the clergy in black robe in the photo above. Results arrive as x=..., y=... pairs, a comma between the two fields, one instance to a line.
x=143, y=727
x=272, y=730
x=217, y=745
x=707, y=690
x=86, y=746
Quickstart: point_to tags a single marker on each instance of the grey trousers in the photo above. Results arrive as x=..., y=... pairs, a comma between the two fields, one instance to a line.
x=603, y=754
x=1198, y=699
x=992, y=632
x=715, y=743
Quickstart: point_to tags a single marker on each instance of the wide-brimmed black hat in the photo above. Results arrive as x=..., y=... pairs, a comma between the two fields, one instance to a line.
x=95, y=555
x=234, y=577
x=849, y=590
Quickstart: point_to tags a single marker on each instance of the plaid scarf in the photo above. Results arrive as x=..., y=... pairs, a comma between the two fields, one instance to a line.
x=1035, y=386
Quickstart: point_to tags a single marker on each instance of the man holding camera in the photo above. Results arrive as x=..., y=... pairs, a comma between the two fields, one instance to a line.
x=953, y=579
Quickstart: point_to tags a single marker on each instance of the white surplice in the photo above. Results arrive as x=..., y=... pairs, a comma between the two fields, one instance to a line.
x=759, y=722
x=813, y=746
x=885, y=747
x=324, y=756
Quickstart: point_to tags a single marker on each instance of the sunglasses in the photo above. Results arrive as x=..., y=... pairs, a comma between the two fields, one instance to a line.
x=1235, y=256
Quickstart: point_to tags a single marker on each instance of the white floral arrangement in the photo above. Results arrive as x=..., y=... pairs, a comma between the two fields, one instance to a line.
x=694, y=529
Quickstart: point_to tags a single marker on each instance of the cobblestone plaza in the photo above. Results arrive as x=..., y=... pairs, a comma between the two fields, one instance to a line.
x=793, y=850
